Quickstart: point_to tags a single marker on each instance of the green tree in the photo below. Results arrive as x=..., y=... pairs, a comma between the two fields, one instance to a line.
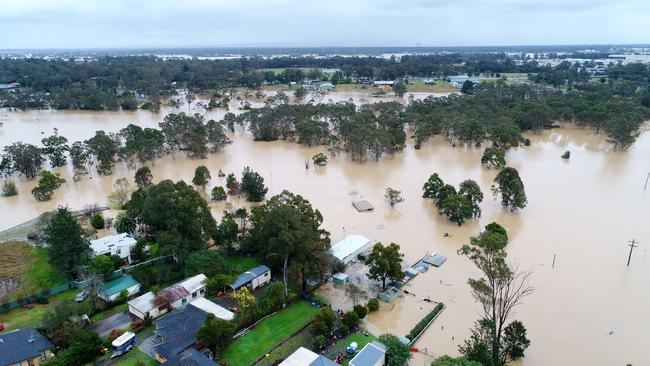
x=373, y=304
x=227, y=232
x=393, y=196
x=201, y=176
x=286, y=231
x=432, y=186
x=68, y=247
x=493, y=157
x=272, y=298
x=216, y=334
x=319, y=159
x=252, y=184
x=467, y=88
x=120, y=195
x=97, y=221
x=457, y=208
x=84, y=347
x=9, y=188
x=499, y=291
x=47, y=183
x=55, y=148
x=102, y=265
x=125, y=223
x=400, y=88
x=443, y=193
x=22, y=158
x=351, y=319
x=208, y=262
x=232, y=184
x=472, y=192
x=104, y=147
x=506, y=135
x=509, y=185
x=385, y=262
x=79, y=155
x=218, y=194
x=361, y=311
x=355, y=293
x=143, y=177
x=397, y=353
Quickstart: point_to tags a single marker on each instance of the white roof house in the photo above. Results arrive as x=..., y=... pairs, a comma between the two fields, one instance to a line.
x=177, y=295
x=195, y=283
x=212, y=308
x=142, y=305
x=347, y=249
x=304, y=357
x=119, y=244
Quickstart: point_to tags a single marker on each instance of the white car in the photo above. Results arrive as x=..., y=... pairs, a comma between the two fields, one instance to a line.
x=81, y=296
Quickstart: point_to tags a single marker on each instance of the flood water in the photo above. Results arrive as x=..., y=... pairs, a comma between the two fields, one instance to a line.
x=590, y=309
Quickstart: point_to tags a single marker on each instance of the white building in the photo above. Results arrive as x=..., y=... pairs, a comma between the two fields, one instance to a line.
x=175, y=295
x=253, y=278
x=373, y=354
x=212, y=308
x=349, y=248
x=120, y=245
x=304, y=357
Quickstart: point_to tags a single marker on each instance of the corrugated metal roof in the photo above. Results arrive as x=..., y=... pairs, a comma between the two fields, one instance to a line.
x=248, y=276
x=369, y=355
x=349, y=245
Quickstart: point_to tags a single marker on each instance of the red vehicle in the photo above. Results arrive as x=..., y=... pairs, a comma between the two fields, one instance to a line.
x=2, y=326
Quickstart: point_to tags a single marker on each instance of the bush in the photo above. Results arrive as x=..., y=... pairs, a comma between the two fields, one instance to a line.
x=208, y=262
x=319, y=342
x=272, y=298
x=115, y=333
x=97, y=221
x=344, y=330
x=373, y=305
x=84, y=348
x=101, y=264
x=361, y=311
x=123, y=296
x=419, y=327
x=9, y=188
x=218, y=194
x=351, y=319
x=319, y=159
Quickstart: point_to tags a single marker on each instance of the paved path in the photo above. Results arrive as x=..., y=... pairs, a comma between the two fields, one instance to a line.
x=118, y=321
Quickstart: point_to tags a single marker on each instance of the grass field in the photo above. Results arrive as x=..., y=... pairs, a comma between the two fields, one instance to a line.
x=302, y=339
x=248, y=348
x=133, y=357
x=240, y=264
x=34, y=314
x=29, y=267
x=441, y=86
x=343, y=343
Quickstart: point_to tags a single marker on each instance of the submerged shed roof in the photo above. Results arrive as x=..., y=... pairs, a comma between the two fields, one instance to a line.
x=349, y=245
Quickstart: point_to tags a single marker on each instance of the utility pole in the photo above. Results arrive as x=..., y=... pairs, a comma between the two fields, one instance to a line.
x=647, y=176
x=632, y=245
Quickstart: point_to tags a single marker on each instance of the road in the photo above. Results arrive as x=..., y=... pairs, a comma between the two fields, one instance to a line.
x=118, y=321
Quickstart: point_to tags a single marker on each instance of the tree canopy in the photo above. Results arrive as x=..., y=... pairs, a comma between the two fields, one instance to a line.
x=68, y=246
x=385, y=262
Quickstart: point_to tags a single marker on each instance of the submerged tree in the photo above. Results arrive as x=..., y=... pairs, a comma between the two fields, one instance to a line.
x=393, y=196
x=55, y=148
x=22, y=158
x=493, y=157
x=385, y=262
x=432, y=186
x=104, y=147
x=499, y=291
x=201, y=176
x=47, y=183
x=143, y=177
x=252, y=184
x=472, y=192
x=509, y=185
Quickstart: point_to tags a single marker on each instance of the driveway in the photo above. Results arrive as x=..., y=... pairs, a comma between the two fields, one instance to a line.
x=118, y=321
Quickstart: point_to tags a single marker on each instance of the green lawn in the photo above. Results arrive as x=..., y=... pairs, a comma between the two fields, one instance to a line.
x=240, y=264
x=132, y=358
x=302, y=339
x=34, y=314
x=268, y=333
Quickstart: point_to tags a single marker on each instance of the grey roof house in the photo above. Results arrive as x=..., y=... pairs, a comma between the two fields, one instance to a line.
x=190, y=357
x=24, y=345
x=373, y=354
x=176, y=332
x=253, y=278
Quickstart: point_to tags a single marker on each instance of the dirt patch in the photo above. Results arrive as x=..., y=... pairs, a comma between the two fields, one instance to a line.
x=7, y=287
x=17, y=260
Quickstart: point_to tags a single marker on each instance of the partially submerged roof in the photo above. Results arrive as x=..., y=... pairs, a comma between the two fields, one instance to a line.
x=212, y=308
x=178, y=330
x=304, y=357
x=349, y=245
x=117, y=285
x=341, y=276
x=435, y=260
x=248, y=276
x=104, y=245
x=363, y=205
x=22, y=344
x=369, y=355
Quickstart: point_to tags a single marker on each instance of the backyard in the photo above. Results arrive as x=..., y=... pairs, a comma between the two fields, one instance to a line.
x=248, y=348
x=33, y=314
x=342, y=344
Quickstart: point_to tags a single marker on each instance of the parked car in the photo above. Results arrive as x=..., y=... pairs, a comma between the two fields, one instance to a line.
x=2, y=326
x=81, y=296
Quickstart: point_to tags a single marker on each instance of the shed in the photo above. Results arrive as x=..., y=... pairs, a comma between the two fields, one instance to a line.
x=363, y=205
x=412, y=272
x=435, y=260
x=373, y=354
x=347, y=249
x=340, y=278
x=111, y=290
x=144, y=305
x=389, y=295
x=304, y=357
x=212, y=308
x=253, y=278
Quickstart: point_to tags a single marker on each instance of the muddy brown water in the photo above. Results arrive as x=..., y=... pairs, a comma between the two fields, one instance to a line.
x=591, y=309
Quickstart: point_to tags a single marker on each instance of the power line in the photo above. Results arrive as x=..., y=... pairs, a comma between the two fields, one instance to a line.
x=632, y=245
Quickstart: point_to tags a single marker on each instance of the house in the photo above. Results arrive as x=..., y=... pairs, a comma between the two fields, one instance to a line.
x=190, y=357
x=253, y=278
x=120, y=245
x=383, y=83
x=112, y=289
x=174, y=297
x=322, y=86
x=24, y=347
x=349, y=248
x=304, y=357
x=373, y=354
x=212, y=308
x=176, y=332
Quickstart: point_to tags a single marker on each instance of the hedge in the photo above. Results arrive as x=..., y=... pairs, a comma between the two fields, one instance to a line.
x=419, y=327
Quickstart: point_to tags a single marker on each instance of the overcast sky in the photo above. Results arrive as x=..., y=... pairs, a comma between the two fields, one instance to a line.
x=240, y=23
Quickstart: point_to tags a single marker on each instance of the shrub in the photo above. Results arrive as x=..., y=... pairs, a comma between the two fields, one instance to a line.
x=123, y=296
x=373, y=305
x=272, y=298
x=361, y=311
x=9, y=188
x=115, y=333
x=319, y=342
x=419, y=327
x=208, y=262
x=97, y=221
x=319, y=159
x=351, y=319
x=344, y=330
x=101, y=264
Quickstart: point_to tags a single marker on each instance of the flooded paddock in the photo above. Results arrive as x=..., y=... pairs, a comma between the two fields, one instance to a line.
x=589, y=309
